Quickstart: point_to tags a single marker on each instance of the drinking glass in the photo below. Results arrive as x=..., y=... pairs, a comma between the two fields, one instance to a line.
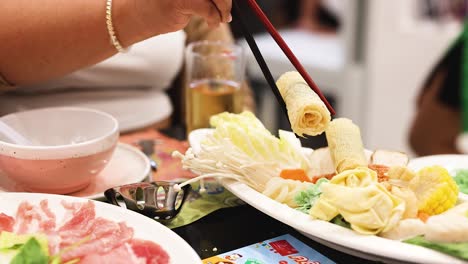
x=215, y=73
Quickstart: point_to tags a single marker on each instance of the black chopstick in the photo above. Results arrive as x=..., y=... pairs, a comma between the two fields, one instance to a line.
x=288, y=52
x=236, y=13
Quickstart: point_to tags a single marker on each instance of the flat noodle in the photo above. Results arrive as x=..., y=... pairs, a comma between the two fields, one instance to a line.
x=307, y=113
x=345, y=143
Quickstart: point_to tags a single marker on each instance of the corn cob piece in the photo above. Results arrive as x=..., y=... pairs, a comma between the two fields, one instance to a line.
x=435, y=189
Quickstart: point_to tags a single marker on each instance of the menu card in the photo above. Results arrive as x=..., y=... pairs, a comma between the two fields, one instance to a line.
x=280, y=250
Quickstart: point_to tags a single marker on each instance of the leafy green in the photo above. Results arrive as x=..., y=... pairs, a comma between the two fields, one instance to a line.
x=10, y=240
x=307, y=198
x=339, y=220
x=27, y=248
x=31, y=253
x=31, y=249
x=459, y=250
x=13, y=247
x=461, y=178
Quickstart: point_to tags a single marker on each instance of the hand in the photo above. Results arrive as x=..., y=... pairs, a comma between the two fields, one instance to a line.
x=162, y=16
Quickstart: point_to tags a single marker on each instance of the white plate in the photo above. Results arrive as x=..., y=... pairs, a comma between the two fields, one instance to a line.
x=120, y=103
x=450, y=162
x=127, y=165
x=145, y=228
x=334, y=236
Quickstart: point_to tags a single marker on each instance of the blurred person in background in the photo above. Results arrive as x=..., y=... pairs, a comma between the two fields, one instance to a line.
x=66, y=58
x=319, y=16
x=440, y=105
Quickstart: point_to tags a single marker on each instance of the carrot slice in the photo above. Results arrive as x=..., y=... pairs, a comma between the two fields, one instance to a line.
x=423, y=216
x=295, y=174
x=381, y=171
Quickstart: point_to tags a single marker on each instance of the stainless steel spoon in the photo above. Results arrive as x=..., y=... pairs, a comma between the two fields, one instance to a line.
x=147, y=147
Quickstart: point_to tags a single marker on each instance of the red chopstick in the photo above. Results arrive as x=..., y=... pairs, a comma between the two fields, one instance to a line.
x=287, y=51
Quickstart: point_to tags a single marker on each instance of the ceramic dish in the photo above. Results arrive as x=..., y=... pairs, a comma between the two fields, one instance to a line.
x=127, y=165
x=144, y=228
x=342, y=239
x=63, y=151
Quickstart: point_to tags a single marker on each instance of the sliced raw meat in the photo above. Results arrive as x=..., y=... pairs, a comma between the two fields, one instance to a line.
x=23, y=218
x=47, y=218
x=102, y=239
x=6, y=223
x=83, y=235
x=94, y=228
x=72, y=206
x=121, y=255
x=152, y=252
x=34, y=219
x=77, y=217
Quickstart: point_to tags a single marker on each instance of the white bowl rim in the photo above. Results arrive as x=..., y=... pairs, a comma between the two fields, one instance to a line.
x=6, y=147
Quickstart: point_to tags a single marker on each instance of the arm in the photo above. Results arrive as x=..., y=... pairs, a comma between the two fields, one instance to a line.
x=51, y=38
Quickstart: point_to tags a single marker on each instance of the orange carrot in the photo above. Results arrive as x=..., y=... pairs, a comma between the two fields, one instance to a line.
x=423, y=216
x=381, y=171
x=295, y=174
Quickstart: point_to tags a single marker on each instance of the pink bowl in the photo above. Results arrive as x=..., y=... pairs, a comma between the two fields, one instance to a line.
x=69, y=147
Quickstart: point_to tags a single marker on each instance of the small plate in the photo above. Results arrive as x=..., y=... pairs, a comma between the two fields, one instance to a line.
x=127, y=165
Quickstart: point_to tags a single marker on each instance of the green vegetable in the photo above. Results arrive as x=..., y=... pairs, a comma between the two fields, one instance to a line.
x=31, y=249
x=10, y=240
x=306, y=199
x=461, y=178
x=459, y=250
x=339, y=220
x=27, y=249
x=31, y=253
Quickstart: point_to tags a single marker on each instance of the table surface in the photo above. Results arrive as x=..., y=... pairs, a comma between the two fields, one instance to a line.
x=232, y=228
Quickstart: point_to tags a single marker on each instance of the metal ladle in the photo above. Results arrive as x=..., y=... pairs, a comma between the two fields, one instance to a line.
x=158, y=200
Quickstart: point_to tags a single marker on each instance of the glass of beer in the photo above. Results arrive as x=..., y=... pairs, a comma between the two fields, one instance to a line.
x=215, y=73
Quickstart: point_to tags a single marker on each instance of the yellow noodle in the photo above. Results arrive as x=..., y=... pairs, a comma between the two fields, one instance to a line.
x=307, y=113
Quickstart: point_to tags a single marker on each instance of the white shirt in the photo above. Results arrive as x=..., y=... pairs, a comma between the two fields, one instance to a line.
x=130, y=86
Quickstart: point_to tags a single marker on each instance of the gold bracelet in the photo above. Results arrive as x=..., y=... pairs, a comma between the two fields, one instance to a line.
x=110, y=28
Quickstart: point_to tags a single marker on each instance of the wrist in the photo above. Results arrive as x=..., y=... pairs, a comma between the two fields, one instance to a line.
x=127, y=23
x=160, y=16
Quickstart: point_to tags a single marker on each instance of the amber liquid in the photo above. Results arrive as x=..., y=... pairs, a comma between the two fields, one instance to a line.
x=210, y=97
